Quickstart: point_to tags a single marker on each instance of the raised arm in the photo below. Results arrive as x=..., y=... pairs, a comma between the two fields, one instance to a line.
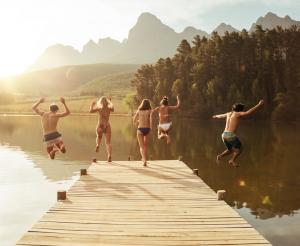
x=35, y=107
x=220, y=116
x=253, y=109
x=177, y=105
x=67, y=111
x=110, y=105
x=155, y=109
x=92, y=108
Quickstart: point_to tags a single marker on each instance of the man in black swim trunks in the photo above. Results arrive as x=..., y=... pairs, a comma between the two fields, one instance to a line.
x=52, y=137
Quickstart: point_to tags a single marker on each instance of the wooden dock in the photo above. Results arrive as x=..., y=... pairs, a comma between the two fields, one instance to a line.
x=124, y=203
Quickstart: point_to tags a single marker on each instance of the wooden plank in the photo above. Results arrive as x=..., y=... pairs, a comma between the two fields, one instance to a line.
x=124, y=203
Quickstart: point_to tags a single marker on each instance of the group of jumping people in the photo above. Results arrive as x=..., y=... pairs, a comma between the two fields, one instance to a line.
x=143, y=120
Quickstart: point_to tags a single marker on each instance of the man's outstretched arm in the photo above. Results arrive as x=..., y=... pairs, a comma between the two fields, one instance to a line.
x=219, y=116
x=253, y=109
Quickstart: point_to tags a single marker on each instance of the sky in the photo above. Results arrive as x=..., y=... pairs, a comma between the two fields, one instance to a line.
x=28, y=27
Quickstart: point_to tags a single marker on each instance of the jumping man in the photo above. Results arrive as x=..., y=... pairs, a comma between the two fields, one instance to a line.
x=52, y=137
x=229, y=137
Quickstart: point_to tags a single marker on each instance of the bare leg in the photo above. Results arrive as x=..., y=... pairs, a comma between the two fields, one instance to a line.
x=107, y=142
x=168, y=138
x=145, y=149
x=236, y=153
x=51, y=151
x=98, y=138
x=224, y=153
x=161, y=135
x=140, y=138
x=61, y=146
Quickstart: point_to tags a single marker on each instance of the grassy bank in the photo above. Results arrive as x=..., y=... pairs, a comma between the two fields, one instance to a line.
x=76, y=105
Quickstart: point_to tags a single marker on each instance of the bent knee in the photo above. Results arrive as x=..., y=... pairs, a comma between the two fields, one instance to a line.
x=237, y=150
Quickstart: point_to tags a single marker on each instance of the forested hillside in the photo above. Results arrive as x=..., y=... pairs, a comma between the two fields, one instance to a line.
x=58, y=81
x=212, y=74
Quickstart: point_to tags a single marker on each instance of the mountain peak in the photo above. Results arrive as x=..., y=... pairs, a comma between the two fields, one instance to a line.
x=189, y=29
x=148, y=18
x=271, y=15
x=190, y=32
x=271, y=20
x=287, y=17
x=223, y=28
x=222, y=25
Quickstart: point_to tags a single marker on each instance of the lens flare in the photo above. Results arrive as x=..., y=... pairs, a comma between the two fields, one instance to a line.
x=241, y=183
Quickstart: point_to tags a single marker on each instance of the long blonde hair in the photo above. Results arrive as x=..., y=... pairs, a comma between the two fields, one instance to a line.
x=102, y=102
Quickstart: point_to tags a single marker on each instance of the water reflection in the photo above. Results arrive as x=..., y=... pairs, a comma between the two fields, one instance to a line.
x=26, y=193
x=267, y=182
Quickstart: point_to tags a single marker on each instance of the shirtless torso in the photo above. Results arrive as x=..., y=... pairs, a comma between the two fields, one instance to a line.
x=49, y=122
x=232, y=121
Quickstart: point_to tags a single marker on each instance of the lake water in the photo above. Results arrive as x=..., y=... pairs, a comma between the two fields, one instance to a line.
x=264, y=189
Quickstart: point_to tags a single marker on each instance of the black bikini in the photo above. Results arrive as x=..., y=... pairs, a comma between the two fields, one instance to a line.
x=144, y=130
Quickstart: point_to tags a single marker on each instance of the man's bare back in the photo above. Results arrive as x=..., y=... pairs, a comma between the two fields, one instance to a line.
x=49, y=122
x=232, y=121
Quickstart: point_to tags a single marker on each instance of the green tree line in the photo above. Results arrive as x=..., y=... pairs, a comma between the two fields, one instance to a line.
x=212, y=74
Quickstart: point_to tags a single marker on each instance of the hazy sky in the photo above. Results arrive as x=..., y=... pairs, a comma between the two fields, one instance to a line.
x=29, y=26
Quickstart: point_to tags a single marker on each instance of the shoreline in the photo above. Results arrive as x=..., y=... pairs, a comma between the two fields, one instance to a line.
x=72, y=114
x=28, y=114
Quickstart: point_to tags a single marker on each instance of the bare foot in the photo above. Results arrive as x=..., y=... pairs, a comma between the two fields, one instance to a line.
x=52, y=153
x=97, y=148
x=109, y=159
x=63, y=149
x=145, y=163
x=219, y=157
x=233, y=163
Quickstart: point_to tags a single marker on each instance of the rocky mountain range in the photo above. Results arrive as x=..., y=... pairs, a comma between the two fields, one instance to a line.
x=148, y=40
x=271, y=20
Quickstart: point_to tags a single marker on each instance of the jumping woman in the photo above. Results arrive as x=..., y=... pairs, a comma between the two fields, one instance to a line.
x=164, y=120
x=143, y=118
x=104, y=107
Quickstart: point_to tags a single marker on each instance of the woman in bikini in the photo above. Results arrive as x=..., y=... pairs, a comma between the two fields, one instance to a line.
x=143, y=118
x=104, y=107
x=164, y=121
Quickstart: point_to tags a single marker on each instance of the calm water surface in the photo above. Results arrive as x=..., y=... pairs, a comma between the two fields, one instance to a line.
x=264, y=190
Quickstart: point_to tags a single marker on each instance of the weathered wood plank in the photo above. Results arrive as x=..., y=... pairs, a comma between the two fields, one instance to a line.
x=124, y=203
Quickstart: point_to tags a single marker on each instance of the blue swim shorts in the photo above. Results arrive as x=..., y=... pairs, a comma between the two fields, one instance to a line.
x=231, y=141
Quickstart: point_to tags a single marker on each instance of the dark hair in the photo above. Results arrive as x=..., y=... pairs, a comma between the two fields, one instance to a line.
x=145, y=105
x=238, y=107
x=53, y=108
x=164, y=101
